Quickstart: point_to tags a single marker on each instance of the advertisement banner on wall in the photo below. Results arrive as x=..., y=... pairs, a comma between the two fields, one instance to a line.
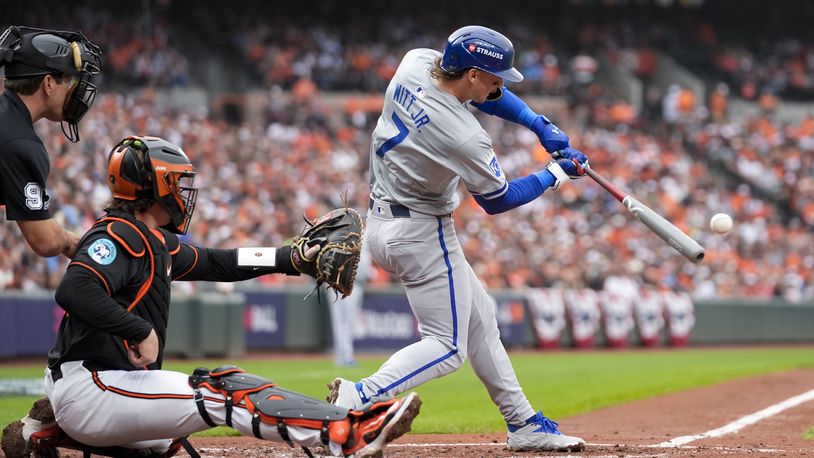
x=264, y=319
x=385, y=322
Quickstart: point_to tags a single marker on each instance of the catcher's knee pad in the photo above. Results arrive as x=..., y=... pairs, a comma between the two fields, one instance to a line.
x=267, y=402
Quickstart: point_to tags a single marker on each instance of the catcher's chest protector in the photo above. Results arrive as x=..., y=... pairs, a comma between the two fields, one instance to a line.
x=148, y=295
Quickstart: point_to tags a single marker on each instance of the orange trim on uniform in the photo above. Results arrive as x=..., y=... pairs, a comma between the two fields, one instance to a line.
x=176, y=250
x=122, y=242
x=133, y=394
x=159, y=235
x=239, y=395
x=310, y=424
x=77, y=263
x=234, y=370
x=146, y=286
x=97, y=381
x=195, y=263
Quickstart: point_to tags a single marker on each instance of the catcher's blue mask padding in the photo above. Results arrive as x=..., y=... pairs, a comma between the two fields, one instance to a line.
x=475, y=46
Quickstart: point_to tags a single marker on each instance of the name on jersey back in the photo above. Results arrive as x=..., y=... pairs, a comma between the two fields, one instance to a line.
x=407, y=99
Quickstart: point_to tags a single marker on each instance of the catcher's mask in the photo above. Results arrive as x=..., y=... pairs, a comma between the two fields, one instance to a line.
x=27, y=52
x=153, y=168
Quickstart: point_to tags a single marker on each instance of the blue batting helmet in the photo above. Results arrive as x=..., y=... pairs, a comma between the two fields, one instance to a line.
x=482, y=48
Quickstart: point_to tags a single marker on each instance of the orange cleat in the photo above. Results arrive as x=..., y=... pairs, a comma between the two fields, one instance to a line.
x=383, y=422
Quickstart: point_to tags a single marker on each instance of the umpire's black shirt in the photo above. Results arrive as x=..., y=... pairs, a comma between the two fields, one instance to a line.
x=24, y=164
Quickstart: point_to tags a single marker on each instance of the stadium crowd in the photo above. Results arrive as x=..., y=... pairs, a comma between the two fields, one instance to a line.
x=259, y=177
x=138, y=50
x=340, y=49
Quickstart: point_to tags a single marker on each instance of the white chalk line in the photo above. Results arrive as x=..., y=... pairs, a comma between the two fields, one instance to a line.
x=678, y=442
x=206, y=450
x=743, y=421
x=621, y=446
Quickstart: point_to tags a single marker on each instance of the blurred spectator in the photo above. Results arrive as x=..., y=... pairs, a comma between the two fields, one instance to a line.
x=304, y=149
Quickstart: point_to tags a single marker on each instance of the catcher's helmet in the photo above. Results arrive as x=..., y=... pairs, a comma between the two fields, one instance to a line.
x=153, y=168
x=482, y=48
x=27, y=52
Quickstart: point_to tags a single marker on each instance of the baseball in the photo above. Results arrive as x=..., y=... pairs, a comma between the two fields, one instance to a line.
x=721, y=223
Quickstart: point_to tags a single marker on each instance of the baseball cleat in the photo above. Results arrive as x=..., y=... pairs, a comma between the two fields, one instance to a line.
x=14, y=445
x=347, y=394
x=31, y=435
x=541, y=434
x=372, y=429
x=342, y=392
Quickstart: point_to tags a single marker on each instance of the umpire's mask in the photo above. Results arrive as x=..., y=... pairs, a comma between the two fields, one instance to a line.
x=27, y=52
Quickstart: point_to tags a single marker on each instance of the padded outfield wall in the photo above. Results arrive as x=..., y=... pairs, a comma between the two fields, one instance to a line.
x=216, y=324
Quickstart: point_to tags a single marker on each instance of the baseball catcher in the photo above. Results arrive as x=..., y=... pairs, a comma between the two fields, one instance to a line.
x=104, y=377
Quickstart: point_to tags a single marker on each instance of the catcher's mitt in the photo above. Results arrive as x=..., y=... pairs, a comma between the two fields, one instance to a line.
x=339, y=236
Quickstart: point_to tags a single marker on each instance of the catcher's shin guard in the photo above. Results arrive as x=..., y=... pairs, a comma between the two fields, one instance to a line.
x=268, y=404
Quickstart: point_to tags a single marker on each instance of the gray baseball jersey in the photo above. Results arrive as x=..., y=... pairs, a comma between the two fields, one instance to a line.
x=426, y=141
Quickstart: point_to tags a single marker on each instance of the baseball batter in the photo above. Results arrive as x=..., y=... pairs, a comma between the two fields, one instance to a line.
x=426, y=142
x=104, y=377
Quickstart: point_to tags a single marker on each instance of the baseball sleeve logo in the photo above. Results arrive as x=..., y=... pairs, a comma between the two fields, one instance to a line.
x=102, y=251
x=493, y=164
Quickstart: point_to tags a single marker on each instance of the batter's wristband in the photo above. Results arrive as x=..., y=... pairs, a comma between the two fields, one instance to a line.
x=559, y=174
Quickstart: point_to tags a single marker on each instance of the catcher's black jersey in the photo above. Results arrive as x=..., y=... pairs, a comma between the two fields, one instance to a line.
x=117, y=288
x=24, y=164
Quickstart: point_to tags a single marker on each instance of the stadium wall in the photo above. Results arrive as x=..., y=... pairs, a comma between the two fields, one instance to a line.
x=218, y=324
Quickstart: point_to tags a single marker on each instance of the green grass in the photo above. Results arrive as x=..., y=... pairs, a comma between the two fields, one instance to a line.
x=809, y=434
x=560, y=383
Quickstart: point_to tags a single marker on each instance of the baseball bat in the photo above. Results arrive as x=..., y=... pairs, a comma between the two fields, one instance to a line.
x=682, y=242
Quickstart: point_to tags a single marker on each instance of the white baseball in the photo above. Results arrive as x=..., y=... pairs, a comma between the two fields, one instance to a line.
x=721, y=223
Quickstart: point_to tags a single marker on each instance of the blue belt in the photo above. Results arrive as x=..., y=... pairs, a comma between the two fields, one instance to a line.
x=398, y=211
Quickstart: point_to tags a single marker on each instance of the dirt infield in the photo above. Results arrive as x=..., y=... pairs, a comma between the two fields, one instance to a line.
x=628, y=430
x=635, y=429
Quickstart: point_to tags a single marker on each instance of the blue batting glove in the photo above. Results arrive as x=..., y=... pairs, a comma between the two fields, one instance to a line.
x=573, y=162
x=551, y=137
x=570, y=153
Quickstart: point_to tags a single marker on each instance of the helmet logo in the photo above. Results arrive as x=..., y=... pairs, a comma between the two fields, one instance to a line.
x=472, y=47
x=492, y=54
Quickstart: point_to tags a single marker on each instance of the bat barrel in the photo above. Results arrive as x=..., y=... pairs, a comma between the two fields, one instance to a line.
x=682, y=242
